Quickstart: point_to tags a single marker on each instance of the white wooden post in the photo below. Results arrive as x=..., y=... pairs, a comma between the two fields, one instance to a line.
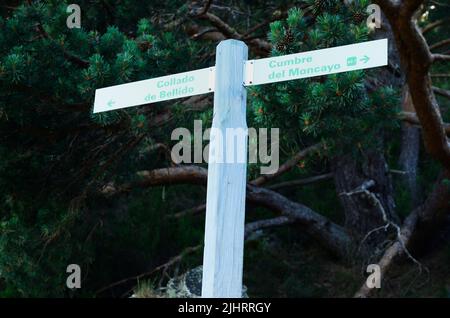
x=225, y=202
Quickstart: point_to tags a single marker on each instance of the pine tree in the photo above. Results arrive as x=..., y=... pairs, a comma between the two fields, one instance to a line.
x=335, y=110
x=54, y=150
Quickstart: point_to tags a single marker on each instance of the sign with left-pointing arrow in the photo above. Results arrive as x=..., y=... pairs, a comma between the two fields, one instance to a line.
x=155, y=90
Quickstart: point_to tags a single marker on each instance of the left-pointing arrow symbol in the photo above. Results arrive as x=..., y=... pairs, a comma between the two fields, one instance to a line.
x=111, y=103
x=365, y=59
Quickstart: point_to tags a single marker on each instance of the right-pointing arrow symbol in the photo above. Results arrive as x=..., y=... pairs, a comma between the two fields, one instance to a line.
x=365, y=59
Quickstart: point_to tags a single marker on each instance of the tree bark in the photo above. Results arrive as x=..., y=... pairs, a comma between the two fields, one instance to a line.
x=361, y=216
x=409, y=153
x=416, y=60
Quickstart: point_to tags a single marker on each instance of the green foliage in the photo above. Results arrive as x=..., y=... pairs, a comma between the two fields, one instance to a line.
x=334, y=109
x=35, y=253
x=54, y=151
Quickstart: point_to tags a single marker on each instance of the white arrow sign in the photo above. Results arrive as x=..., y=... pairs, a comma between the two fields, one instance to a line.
x=316, y=63
x=155, y=90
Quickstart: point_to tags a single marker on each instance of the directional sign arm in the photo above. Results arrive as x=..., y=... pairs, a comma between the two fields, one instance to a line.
x=316, y=63
x=155, y=90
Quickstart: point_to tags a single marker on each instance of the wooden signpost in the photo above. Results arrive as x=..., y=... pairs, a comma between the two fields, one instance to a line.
x=225, y=201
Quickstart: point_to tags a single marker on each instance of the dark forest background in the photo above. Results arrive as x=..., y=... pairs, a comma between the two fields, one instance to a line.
x=365, y=159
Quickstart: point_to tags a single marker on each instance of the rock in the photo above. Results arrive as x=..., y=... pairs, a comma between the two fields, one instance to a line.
x=189, y=285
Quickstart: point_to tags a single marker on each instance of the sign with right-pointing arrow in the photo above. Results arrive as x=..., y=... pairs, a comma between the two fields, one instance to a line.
x=316, y=63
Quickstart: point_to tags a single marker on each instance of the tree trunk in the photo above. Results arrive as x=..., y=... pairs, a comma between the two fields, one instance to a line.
x=409, y=153
x=361, y=215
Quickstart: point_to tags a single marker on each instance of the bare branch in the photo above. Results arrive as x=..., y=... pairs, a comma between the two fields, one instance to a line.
x=439, y=44
x=201, y=208
x=441, y=91
x=329, y=234
x=193, y=211
x=262, y=224
x=433, y=25
x=288, y=165
x=206, y=7
x=441, y=57
x=305, y=181
x=227, y=30
x=258, y=26
x=411, y=118
x=395, y=171
x=440, y=75
x=202, y=32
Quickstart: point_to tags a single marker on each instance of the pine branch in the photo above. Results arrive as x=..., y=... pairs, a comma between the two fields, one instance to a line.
x=69, y=56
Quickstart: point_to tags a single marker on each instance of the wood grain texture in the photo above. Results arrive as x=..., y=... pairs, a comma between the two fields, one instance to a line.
x=225, y=203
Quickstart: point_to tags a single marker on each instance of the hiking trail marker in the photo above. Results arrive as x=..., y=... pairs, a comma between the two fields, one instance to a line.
x=225, y=201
